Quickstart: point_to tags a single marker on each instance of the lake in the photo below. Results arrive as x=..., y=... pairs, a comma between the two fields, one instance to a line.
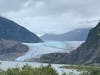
x=11, y=64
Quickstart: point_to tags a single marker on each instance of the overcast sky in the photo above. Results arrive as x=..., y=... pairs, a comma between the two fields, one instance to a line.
x=51, y=16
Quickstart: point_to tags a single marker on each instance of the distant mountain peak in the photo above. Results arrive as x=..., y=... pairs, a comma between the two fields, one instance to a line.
x=79, y=34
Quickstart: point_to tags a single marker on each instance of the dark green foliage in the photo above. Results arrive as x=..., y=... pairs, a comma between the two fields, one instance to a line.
x=92, y=72
x=94, y=36
x=80, y=67
x=28, y=70
x=63, y=73
x=46, y=70
x=86, y=70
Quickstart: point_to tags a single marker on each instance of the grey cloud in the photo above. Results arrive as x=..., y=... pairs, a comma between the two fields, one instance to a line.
x=11, y=5
x=59, y=16
x=86, y=8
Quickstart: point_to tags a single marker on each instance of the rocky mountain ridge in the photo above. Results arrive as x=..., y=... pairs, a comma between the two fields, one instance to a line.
x=10, y=50
x=10, y=30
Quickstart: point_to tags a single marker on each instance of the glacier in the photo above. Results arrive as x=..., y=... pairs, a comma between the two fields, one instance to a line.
x=36, y=50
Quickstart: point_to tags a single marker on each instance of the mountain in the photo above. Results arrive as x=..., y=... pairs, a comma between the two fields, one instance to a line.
x=75, y=35
x=87, y=53
x=10, y=50
x=10, y=30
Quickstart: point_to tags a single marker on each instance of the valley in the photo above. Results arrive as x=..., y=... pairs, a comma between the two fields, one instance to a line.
x=49, y=37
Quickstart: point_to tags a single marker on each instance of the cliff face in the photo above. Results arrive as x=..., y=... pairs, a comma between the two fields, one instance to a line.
x=87, y=53
x=10, y=30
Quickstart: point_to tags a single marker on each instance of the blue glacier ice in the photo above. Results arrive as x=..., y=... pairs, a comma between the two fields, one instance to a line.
x=38, y=49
